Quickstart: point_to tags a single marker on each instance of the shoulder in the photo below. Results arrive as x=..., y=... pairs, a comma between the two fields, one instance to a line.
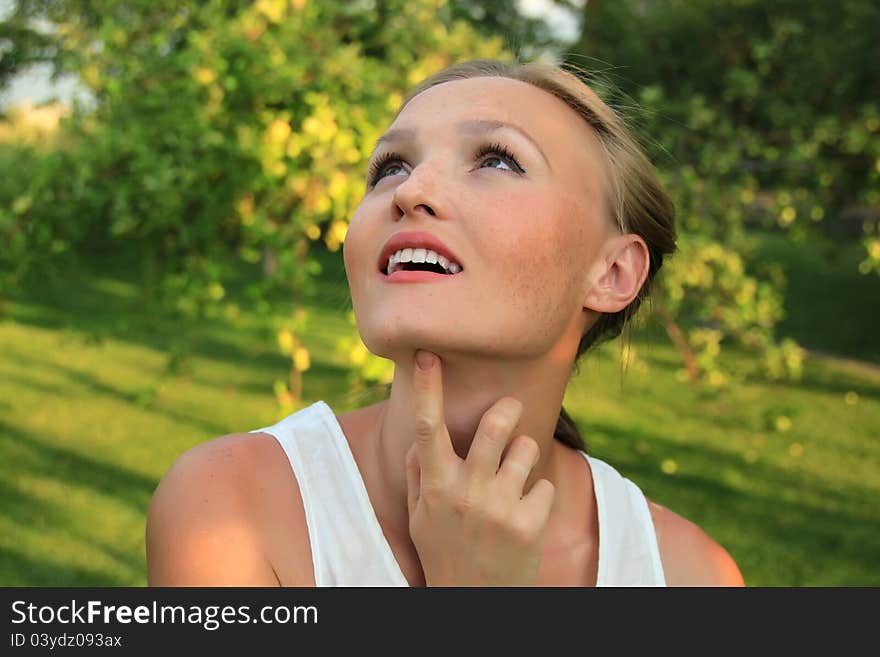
x=206, y=523
x=690, y=556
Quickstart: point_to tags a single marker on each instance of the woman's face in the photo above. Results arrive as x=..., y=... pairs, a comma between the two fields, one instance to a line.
x=524, y=230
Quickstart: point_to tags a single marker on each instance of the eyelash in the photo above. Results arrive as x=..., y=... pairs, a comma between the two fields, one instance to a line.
x=493, y=148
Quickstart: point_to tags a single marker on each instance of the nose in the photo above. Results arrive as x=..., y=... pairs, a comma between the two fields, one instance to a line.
x=414, y=196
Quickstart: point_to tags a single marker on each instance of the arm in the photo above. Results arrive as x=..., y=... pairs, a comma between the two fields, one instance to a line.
x=690, y=556
x=200, y=529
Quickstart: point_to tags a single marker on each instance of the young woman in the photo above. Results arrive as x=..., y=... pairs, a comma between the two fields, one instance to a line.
x=509, y=223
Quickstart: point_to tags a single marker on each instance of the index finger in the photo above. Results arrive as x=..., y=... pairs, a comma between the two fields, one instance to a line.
x=432, y=438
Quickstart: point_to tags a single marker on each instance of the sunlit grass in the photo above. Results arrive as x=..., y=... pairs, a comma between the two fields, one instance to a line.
x=795, y=503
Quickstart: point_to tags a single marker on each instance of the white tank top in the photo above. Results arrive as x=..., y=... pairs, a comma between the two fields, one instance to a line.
x=349, y=548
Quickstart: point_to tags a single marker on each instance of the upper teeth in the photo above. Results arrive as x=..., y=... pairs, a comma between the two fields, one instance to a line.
x=421, y=255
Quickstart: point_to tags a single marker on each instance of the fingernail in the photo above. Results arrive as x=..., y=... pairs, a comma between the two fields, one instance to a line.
x=425, y=359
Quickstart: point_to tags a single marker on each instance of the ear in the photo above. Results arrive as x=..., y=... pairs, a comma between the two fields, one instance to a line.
x=621, y=269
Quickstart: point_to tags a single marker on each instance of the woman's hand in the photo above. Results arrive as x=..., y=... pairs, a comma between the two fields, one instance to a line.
x=468, y=518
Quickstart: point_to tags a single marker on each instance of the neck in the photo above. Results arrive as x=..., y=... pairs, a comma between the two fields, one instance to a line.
x=470, y=387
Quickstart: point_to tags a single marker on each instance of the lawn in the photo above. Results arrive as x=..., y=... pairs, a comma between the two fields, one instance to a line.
x=785, y=475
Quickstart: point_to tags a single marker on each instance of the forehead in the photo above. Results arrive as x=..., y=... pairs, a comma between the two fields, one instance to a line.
x=564, y=136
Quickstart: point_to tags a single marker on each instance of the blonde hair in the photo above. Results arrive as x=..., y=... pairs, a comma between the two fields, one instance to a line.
x=636, y=198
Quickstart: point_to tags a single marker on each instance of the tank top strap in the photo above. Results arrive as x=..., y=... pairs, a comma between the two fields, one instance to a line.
x=348, y=546
x=629, y=554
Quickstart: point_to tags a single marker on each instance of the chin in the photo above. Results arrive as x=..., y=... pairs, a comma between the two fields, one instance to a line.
x=396, y=340
x=396, y=336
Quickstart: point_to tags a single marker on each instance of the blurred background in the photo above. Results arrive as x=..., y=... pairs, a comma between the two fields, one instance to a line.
x=176, y=180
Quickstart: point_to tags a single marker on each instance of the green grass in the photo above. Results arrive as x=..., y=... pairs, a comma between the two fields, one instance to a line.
x=90, y=421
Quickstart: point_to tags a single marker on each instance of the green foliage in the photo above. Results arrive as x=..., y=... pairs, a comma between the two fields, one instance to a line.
x=758, y=114
x=779, y=99
x=708, y=290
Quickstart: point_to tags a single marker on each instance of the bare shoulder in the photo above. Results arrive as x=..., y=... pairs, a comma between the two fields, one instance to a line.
x=690, y=556
x=208, y=518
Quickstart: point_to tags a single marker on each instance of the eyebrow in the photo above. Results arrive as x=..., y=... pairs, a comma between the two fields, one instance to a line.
x=472, y=126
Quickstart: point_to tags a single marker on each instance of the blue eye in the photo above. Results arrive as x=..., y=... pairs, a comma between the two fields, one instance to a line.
x=378, y=166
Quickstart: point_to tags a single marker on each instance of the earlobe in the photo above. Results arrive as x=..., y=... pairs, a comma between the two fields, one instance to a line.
x=625, y=267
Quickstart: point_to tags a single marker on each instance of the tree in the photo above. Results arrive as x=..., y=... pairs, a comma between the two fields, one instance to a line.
x=758, y=114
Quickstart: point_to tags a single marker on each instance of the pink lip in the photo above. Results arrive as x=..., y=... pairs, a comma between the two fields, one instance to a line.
x=403, y=276
x=415, y=239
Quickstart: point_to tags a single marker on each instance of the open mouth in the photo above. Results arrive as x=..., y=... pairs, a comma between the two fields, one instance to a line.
x=415, y=266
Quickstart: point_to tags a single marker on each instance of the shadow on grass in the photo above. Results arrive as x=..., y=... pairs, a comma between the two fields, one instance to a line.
x=28, y=513
x=27, y=382
x=832, y=544
x=94, y=328
x=42, y=460
x=89, y=383
x=99, y=304
x=21, y=569
x=819, y=377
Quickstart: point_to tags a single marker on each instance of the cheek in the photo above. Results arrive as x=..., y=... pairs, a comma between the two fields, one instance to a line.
x=549, y=243
x=531, y=284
